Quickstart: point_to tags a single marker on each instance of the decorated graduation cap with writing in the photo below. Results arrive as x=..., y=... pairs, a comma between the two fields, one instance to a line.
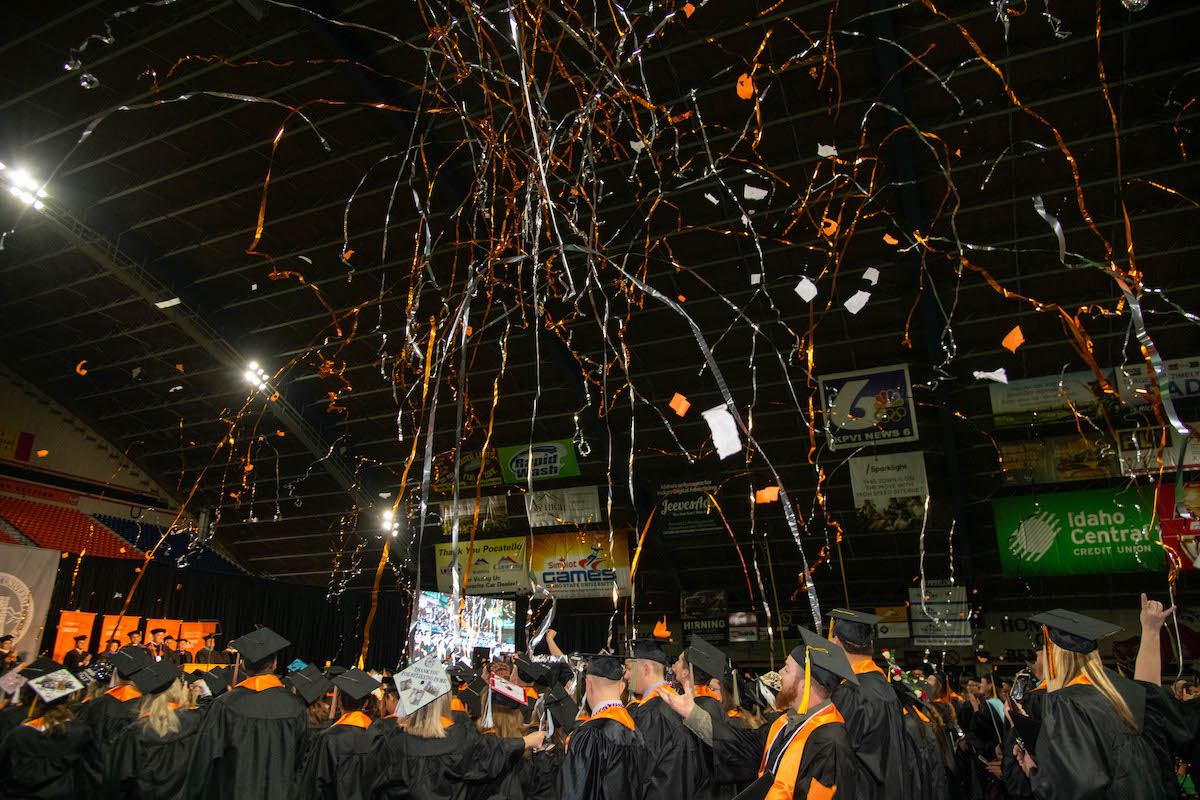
x=508, y=695
x=54, y=685
x=854, y=627
x=419, y=685
x=1072, y=631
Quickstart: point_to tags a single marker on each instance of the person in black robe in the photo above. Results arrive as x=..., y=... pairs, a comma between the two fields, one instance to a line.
x=429, y=755
x=42, y=758
x=505, y=710
x=874, y=718
x=332, y=767
x=209, y=654
x=182, y=655
x=114, y=646
x=313, y=688
x=607, y=758
x=1090, y=742
x=248, y=742
x=1028, y=694
x=115, y=710
x=148, y=760
x=696, y=669
x=925, y=748
x=680, y=766
x=77, y=658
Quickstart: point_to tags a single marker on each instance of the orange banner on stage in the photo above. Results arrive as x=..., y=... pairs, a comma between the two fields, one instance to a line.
x=195, y=632
x=70, y=625
x=110, y=630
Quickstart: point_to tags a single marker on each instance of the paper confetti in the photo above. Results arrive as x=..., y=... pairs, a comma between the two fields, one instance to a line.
x=710, y=198
x=807, y=290
x=688, y=9
x=754, y=193
x=174, y=301
x=756, y=279
x=175, y=388
x=1014, y=339
x=43, y=453
x=179, y=367
x=308, y=260
x=855, y=304
x=827, y=151
x=254, y=287
x=637, y=147
x=745, y=86
x=829, y=226
x=724, y=431
x=871, y=275
x=768, y=495
x=887, y=237
x=135, y=372
x=80, y=368
x=680, y=404
x=998, y=375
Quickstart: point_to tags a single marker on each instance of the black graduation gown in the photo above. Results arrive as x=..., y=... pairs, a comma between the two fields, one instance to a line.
x=720, y=784
x=1016, y=782
x=73, y=659
x=247, y=745
x=44, y=766
x=928, y=781
x=401, y=766
x=825, y=756
x=875, y=727
x=11, y=717
x=142, y=765
x=332, y=769
x=1084, y=750
x=106, y=717
x=206, y=655
x=680, y=766
x=605, y=760
x=539, y=774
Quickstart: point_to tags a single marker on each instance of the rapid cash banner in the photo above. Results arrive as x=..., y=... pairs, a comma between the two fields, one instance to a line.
x=543, y=460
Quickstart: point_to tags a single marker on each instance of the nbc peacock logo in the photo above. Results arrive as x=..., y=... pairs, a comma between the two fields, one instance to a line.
x=1034, y=537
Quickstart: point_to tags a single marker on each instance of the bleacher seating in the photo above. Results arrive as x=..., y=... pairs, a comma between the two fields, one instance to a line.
x=61, y=528
x=146, y=536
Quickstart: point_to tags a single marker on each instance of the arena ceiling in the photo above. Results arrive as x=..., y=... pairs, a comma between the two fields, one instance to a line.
x=225, y=139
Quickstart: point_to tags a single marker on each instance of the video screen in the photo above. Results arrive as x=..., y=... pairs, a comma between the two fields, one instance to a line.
x=486, y=622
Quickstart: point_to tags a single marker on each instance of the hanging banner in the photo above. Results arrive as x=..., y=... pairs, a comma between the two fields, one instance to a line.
x=109, y=629
x=579, y=505
x=942, y=618
x=1138, y=451
x=545, y=460
x=471, y=465
x=70, y=625
x=493, y=515
x=1046, y=399
x=893, y=622
x=497, y=565
x=1057, y=459
x=865, y=406
x=890, y=490
x=26, y=584
x=171, y=626
x=1076, y=533
x=684, y=507
x=195, y=632
x=705, y=612
x=743, y=626
x=15, y=444
x=581, y=564
x=1183, y=383
x=1181, y=533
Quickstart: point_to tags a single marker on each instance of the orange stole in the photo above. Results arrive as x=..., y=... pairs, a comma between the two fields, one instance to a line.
x=355, y=718
x=617, y=713
x=124, y=693
x=259, y=682
x=784, y=786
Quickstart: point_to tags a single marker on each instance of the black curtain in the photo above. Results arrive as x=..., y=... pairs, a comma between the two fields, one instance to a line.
x=321, y=627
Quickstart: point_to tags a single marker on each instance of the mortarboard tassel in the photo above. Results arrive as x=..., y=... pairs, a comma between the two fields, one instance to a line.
x=737, y=699
x=1049, y=652
x=807, y=682
x=488, y=722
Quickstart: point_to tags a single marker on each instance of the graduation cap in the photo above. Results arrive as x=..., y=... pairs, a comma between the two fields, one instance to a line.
x=533, y=672
x=561, y=707
x=259, y=645
x=80, y=638
x=114, y=641
x=157, y=631
x=419, y=685
x=128, y=660
x=210, y=637
x=508, y=695
x=42, y=666
x=6, y=638
x=1072, y=631
x=310, y=684
x=333, y=672
x=824, y=662
x=156, y=677
x=605, y=666
x=191, y=677
x=648, y=650
x=356, y=684
x=55, y=685
x=217, y=680
x=856, y=627
x=706, y=658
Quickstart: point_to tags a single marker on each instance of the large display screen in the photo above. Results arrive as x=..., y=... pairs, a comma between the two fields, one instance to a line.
x=486, y=622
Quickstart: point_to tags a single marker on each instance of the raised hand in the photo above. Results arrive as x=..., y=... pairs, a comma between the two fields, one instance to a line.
x=682, y=704
x=1153, y=614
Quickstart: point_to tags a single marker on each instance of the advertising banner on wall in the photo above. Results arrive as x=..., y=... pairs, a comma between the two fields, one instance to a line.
x=115, y=626
x=1181, y=526
x=70, y=625
x=545, y=460
x=1138, y=451
x=578, y=505
x=683, y=507
x=1076, y=533
x=706, y=613
x=26, y=583
x=497, y=565
x=581, y=564
x=743, y=626
x=1183, y=384
x=1046, y=399
x=1057, y=459
x=889, y=490
x=493, y=514
x=893, y=623
x=942, y=618
x=868, y=406
x=471, y=464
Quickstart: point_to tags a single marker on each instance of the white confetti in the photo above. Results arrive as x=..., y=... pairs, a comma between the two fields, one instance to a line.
x=826, y=151
x=162, y=304
x=745, y=220
x=754, y=193
x=177, y=387
x=710, y=198
x=807, y=290
x=637, y=147
x=305, y=259
x=855, y=304
x=254, y=287
x=724, y=431
x=135, y=372
x=756, y=279
x=871, y=275
x=999, y=375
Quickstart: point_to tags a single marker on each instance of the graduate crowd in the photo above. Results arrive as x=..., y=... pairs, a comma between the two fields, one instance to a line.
x=634, y=724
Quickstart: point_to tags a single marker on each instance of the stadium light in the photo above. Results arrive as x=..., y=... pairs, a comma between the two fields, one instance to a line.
x=23, y=186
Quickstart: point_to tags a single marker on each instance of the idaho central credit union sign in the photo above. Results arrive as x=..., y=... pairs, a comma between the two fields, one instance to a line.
x=868, y=406
x=1077, y=533
x=580, y=564
x=541, y=461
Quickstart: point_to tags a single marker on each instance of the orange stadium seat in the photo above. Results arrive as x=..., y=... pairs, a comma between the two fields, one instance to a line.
x=60, y=528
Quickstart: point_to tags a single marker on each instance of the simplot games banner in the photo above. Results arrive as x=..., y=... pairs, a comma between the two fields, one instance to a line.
x=581, y=564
